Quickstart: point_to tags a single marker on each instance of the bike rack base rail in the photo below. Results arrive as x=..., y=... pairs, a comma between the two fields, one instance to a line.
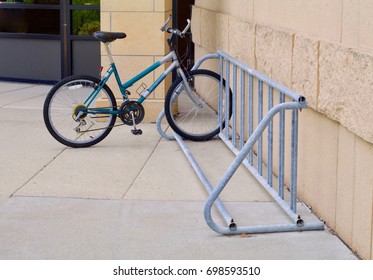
x=244, y=136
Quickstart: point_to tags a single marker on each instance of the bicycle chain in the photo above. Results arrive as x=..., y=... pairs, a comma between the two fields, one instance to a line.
x=89, y=130
x=112, y=126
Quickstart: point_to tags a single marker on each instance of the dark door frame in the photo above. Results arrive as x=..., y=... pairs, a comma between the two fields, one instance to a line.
x=67, y=37
x=181, y=11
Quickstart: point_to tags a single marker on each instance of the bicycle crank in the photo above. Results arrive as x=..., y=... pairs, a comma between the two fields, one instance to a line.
x=132, y=113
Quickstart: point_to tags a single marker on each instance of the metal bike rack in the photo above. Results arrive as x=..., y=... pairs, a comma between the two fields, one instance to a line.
x=249, y=123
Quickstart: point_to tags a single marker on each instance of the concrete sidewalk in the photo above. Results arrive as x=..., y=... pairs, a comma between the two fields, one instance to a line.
x=128, y=197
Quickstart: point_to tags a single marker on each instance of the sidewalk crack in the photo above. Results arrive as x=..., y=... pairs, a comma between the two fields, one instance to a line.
x=38, y=172
x=142, y=168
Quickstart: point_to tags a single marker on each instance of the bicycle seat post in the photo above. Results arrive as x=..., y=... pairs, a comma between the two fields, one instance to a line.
x=109, y=52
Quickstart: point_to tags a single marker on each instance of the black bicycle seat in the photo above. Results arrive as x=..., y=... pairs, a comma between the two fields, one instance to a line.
x=107, y=37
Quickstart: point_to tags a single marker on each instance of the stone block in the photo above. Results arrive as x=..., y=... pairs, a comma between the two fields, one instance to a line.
x=214, y=31
x=242, y=41
x=212, y=5
x=346, y=84
x=162, y=5
x=105, y=18
x=274, y=53
x=127, y=5
x=144, y=36
x=208, y=30
x=240, y=9
x=305, y=69
x=222, y=32
x=318, y=18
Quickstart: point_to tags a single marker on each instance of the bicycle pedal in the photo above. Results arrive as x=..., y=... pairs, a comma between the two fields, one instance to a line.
x=136, y=131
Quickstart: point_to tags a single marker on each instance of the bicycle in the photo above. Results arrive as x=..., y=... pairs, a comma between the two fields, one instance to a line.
x=80, y=111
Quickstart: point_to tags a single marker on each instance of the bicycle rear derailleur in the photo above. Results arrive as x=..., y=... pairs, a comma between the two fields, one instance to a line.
x=132, y=113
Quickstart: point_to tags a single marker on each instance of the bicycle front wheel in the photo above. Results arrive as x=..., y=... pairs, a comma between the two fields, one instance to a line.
x=194, y=114
x=70, y=121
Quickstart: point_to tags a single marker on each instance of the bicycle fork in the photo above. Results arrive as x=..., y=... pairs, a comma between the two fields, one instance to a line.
x=191, y=92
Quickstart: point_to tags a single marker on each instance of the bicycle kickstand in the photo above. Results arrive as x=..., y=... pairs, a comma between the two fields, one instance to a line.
x=135, y=131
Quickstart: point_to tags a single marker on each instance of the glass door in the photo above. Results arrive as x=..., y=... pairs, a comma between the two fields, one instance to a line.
x=81, y=52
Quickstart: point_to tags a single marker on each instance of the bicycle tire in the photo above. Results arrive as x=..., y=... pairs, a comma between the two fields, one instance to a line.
x=64, y=99
x=197, y=122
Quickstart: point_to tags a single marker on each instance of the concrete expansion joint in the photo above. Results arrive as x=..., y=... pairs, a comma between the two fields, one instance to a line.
x=38, y=172
x=141, y=169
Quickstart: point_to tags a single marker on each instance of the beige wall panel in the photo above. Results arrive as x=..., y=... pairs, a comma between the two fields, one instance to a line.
x=214, y=31
x=127, y=5
x=274, y=53
x=350, y=26
x=144, y=36
x=162, y=5
x=366, y=25
x=196, y=25
x=345, y=184
x=363, y=200
x=240, y=9
x=346, y=84
x=242, y=41
x=319, y=18
x=305, y=69
x=222, y=32
x=317, y=165
x=105, y=21
x=213, y=5
x=212, y=64
x=208, y=30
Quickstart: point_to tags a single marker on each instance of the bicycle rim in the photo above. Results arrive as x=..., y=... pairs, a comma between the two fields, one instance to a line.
x=66, y=101
x=195, y=116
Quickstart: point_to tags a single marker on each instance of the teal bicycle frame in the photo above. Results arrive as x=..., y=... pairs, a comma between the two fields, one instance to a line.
x=123, y=87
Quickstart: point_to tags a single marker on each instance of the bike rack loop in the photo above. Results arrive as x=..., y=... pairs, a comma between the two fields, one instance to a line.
x=252, y=157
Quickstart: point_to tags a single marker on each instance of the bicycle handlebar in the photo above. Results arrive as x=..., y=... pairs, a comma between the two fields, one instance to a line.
x=163, y=28
x=176, y=31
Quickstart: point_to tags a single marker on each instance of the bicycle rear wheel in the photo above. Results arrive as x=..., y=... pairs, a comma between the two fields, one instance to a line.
x=68, y=119
x=195, y=116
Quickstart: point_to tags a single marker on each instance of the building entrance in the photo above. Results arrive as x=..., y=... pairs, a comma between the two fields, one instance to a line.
x=46, y=40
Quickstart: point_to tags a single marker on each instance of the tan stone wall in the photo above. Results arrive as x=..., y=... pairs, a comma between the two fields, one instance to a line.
x=145, y=44
x=324, y=51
